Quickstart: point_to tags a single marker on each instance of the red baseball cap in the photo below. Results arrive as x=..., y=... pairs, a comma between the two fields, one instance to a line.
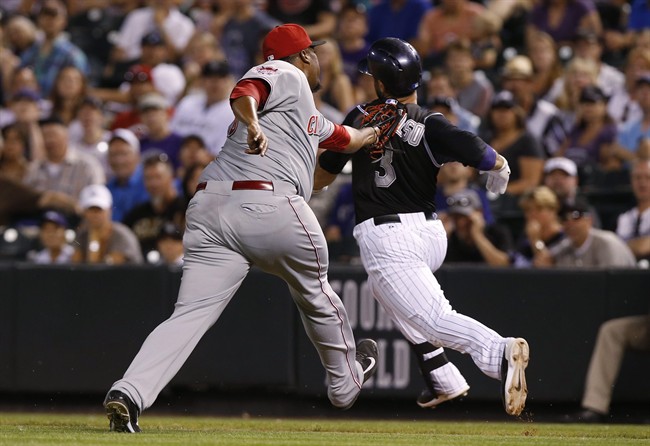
x=285, y=40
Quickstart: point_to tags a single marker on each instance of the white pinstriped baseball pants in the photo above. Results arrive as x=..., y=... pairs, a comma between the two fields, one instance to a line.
x=399, y=259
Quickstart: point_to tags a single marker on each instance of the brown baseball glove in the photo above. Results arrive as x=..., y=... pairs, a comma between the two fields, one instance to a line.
x=386, y=118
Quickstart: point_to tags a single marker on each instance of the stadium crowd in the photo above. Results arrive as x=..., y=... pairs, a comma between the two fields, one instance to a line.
x=110, y=109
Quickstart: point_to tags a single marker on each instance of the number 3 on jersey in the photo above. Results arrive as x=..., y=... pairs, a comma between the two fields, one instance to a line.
x=411, y=133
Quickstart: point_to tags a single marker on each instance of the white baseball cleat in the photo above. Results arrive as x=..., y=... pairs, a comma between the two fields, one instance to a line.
x=513, y=376
x=429, y=400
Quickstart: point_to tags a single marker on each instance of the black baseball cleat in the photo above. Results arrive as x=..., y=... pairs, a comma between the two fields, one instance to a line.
x=585, y=416
x=513, y=377
x=430, y=400
x=122, y=412
x=367, y=353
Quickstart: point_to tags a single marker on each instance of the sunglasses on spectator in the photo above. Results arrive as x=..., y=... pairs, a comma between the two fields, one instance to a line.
x=462, y=201
x=573, y=215
x=139, y=76
x=50, y=12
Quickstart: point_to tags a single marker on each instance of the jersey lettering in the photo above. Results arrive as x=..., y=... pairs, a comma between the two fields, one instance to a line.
x=312, y=125
x=412, y=132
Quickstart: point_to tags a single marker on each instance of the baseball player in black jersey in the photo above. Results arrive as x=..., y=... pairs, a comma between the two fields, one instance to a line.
x=402, y=242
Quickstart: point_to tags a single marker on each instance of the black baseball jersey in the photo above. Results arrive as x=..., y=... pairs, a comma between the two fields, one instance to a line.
x=404, y=179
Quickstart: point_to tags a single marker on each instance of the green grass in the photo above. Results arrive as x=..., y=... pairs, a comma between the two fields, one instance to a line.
x=48, y=429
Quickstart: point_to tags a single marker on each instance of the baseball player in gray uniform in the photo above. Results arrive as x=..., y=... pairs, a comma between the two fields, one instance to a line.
x=401, y=240
x=251, y=209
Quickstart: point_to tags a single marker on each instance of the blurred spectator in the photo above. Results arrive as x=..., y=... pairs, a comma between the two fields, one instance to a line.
x=438, y=85
x=193, y=152
x=623, y=106
x=586, y=246
x=19, y=201
x=100, y=240
x=127, y=183
x=63, y=169
x=170, y=245
x=351, y=37
x=562, y=19
x=202, y=48
x=454, y=113
x=547, y=65
x=637, y=129
x=470, y=239
x=615, y=336
x=565, y=93
x=316, y=16
x=49, y=55
x=190, y=179
x=8, y=62
x=591, y=143
x=67, y=93
x=633, y=226
x=168, y=78
x=396, y=18
x=507, y=133
x=473, y=89
x=141, y=82
x=25, y=114
x=341, y=243
x=21, y=34
x=207, y=113
x=542, y=118
x=589, y=45
x=242, y=32
x=87, y=132
x=164, y=205
x=336, y=87
x=484, y=34
x=448, y=22
x=163, y=16
x=543, y=230
x=13, y=149
x=52, y=237
x=453, y=178
x=159, y=136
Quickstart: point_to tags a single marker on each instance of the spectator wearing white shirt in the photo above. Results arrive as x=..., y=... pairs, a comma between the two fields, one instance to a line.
x=161, y=15
x=207, y=114
x=52, y=236
x=633, y=226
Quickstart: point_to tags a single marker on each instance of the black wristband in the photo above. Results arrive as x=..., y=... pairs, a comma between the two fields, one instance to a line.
x=333, y=162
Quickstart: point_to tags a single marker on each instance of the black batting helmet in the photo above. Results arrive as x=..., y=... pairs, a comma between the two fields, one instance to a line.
x=394, y=62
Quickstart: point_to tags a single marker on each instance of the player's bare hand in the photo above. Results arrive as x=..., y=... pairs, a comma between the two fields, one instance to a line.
x=257, y=141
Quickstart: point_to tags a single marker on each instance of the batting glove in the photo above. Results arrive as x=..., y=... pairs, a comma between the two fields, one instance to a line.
x=497, y=180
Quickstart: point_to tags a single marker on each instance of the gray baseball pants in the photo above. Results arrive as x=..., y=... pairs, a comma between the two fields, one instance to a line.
x=228, y=231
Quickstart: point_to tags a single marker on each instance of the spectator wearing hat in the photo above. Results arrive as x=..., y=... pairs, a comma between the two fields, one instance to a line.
x=101, y=240
x=632, y=132
x=163, y=16
x=470, y=238
x=127, y=182
x=543, y=119
x=64, y=169
x=543, y=230
x=49, y=55
x=159, y=137
x=170, y=245
x=586, y=246
x=165, y=204
x=591, y=143
x=168, y=78
x=53, y=240
x=506, y=132
x=633, y=226
x=140, y=82
x=589, y=45
x=207, y=113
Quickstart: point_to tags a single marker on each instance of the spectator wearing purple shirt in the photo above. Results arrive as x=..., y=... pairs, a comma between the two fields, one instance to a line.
x=571, y=16
x=159, y=137
x=396, y=18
